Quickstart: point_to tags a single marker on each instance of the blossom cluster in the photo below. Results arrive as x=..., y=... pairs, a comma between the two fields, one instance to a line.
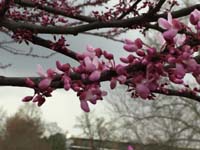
x=142, y=70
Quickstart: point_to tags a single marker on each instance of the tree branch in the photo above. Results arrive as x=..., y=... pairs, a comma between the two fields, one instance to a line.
x=4, y=6
x=140, y=20
x=48, y=44
x=156, y=8
x=129, y=10
x=105, y=76
x=55, y=11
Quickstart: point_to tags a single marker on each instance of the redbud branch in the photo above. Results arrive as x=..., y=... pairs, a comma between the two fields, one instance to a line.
x=156, y=8
x=89, y=3
x=47, y=44
x=187, y=94
x=129, y=10
x=20, y=82
x=56, y=11
x=139, y=20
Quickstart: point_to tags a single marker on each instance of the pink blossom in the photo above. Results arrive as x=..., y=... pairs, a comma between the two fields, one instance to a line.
x=41, y=71
x=170, y=34
x=180, y=71
x=132, y=46
x=91, y=64
x=94, y=76
x=41, y=101
x=45, y=83
x=108, y=55
x=85, y=106
x=30, y=83
x=195, y=17
x=171, y=59
x=62, y=67
x=37, y=98
x=121, y=79
x=171, y=25
x=67, y=83
x=113, y=83
x=27, y=98
x=90, y=52
x=174, y=79
x=142, y=90
x=98, y=52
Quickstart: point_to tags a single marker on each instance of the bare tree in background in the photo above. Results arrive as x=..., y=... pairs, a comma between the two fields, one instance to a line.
x=173, y=122
x=96, y=128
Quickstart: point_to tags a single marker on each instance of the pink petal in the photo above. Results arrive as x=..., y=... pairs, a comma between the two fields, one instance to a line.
x=113, y=83
x=129, y=42
x=180, y=71
x=95, y=76
x=192, y=65
x=124, y=60
x=169, y=18
x=66, y=67
x=130, y=48
x=95, y=61
x=89, y=65
x=45, y=83
x=41, y=101
x=138, y=42
x=37, y=98
x=85, y=106
x=142, y=90
x=51, y=73
x=90, y=48
x=41, y=71
x=67, y=86
x=198, y=26
x=151, y=51
x=194, y=17
x=163, y=23
x=171, y=59
x=30, y=83
x=27, y=98
x=140, y=52
x=120, y=69
x=121, y=79
x=59, y=65
x=170, y=34
x=87, y=61
x=177, y=24
x=175, y=80
x=98, y=52
x=108, y=55
x=130, y=148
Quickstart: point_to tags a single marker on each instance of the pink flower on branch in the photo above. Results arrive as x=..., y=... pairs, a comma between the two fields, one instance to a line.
x=172, y=26
x=195, y=17
x=142, y=70
x=132, y=46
